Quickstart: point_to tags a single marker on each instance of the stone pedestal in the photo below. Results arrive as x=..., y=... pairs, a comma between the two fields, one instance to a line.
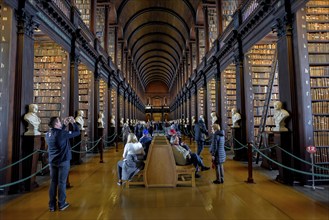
x=29, y=165
x=100, y=144
x=284, y=140
x=268, y=140
x=241, y=154
x=111, y=134
x=76, y=157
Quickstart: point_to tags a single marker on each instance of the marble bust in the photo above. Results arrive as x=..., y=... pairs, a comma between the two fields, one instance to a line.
x=100, y=120
x=213, y=118
x=193, y=120
x=279, y=116
x=79, y=119
x=121, y=122
x=113, y=121
x=236, y=117
x=187, y=121
x=33, y=121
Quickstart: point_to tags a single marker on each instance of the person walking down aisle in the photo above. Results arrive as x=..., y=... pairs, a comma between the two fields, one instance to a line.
x=217, y=152
x=200, y=132
x=59, y=153
x=184, y=156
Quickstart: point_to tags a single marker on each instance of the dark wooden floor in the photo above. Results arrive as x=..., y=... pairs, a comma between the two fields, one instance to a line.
x=95, y=195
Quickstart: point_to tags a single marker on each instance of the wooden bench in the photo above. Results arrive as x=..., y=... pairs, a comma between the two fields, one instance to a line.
x=160, y=168
x=139, y=178
x=183, y=172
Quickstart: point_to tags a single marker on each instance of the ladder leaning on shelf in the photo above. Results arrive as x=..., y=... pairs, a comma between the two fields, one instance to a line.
x=262, y=123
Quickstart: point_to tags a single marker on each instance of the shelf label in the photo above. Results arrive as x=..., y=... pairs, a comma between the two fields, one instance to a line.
x=311, y=149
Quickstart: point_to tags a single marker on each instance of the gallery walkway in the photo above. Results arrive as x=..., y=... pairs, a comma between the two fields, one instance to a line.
x=95, y=195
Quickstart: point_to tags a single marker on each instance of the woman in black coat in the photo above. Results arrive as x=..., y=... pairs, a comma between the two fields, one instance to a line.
x=218, y=153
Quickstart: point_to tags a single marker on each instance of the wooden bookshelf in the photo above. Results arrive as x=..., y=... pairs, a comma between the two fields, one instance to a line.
x=317, y=23
x=102, y=96
x=85, y=81
x=84, y=8
x=100, y=24
x=202, y=44
x=201, y=102
x=111, y=42
x=229, y=81
x=228, y=9
x=114, y=102
x=212, y=19
x=212, y=95
x=49, y=81
x=260, y=60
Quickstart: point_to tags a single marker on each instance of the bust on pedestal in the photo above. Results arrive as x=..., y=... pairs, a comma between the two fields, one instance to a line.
x=193, y=120
x=33, y=121
x=100, y=123
x=236, y=117
x=32, y=142
x=279, y=116
x=100, y=120
x=76, y=156
x=214, y=119
x=79, y=119
x=113, y=121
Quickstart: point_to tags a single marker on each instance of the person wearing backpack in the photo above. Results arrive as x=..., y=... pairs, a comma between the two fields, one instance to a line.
x=218, y=153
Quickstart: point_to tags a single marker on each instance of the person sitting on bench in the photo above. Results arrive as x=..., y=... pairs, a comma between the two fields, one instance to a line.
x=145, y=140
x=184, y=157
x=132, y=163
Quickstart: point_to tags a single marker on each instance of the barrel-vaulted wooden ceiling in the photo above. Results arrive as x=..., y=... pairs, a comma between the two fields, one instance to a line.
x=156, y=34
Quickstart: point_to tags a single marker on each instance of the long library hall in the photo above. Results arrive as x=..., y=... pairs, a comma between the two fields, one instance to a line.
x=176, y=109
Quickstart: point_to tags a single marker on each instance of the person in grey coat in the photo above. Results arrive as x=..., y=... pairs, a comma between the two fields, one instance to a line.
x=218, y=153
x=200, y=132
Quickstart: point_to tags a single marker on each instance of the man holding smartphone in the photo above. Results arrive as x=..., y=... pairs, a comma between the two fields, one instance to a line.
x=59, y=153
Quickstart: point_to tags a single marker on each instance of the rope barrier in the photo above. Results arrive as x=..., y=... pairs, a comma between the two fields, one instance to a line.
x=22, y=180
x=289, y=168
x=10, y=165
x=110, y=140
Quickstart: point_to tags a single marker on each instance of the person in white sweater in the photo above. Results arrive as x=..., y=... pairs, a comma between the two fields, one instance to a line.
x=132, y=163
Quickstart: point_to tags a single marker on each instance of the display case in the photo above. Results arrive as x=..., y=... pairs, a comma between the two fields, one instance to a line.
x=317, y=20
x=50, y=81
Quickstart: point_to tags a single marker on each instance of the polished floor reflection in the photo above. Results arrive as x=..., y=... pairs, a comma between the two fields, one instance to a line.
x=95, y=195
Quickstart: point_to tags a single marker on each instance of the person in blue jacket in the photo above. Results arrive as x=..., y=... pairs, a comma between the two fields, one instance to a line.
x=59, y=155
x=218, y=153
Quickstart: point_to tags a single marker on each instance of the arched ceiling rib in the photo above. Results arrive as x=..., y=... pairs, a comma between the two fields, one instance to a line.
x=156, y=33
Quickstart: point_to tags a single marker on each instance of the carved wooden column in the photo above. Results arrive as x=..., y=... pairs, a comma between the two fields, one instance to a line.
x=219, y=17
x=96, y=100
x=106, y=29
x=197, y=46
x=23, y=86
x=206, y=28
x=288, y=96
x=246, y=118
x=218, y=94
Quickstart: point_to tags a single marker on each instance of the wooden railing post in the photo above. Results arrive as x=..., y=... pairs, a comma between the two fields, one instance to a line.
x=250, y=179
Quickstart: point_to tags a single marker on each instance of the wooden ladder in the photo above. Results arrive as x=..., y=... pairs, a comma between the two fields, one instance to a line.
x=262, y=123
